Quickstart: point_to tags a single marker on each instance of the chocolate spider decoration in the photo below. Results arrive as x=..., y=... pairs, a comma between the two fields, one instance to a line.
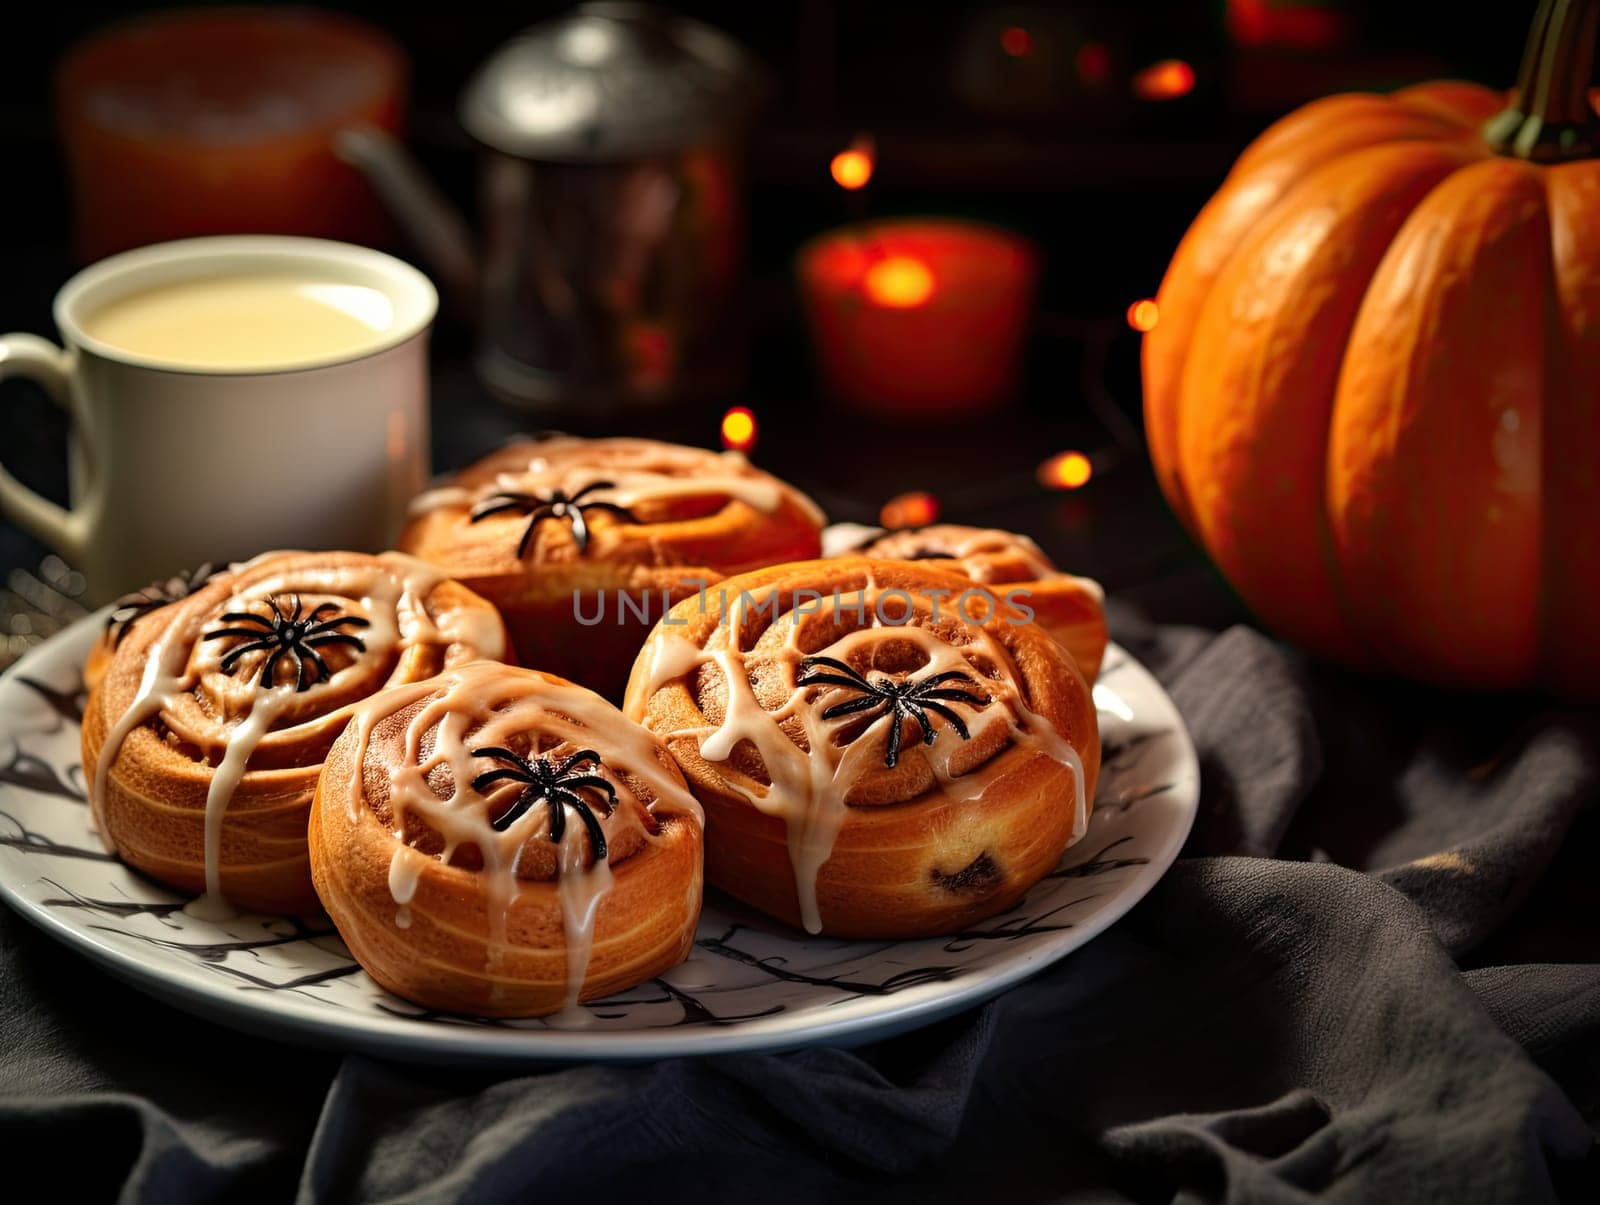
x=555, y=505
x=556, y=784
x=288, y=634
x=132, y=607
x=903, y=700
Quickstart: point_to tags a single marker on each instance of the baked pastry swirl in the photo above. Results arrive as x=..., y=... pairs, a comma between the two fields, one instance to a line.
x=132, y=608
x=204, y=736
x=882, y=748
x=583, y=544
x=1071, y=609
x=502, y=842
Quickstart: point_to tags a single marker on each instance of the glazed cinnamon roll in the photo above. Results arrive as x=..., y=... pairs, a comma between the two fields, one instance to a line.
x=134, y=606
x=502, y=842
x=204, y=737
x=583, y=544
x=883, y=749
x=1071, y=609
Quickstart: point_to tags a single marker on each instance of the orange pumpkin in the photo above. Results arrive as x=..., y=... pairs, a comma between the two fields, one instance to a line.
x=1373, y=392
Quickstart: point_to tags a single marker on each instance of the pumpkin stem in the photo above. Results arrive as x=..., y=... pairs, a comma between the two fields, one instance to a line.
x=1550, y=117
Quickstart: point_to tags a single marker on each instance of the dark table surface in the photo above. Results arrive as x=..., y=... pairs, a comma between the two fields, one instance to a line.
x=1372, y=976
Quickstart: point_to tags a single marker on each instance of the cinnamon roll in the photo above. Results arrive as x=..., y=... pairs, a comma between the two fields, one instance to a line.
x=502, y=842
x=883, y=749
x=133, y=607
x=1071, y=609
x=583, y=544
x=204, y=737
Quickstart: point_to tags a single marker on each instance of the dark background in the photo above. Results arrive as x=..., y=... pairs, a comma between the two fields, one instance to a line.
x=1105, y=184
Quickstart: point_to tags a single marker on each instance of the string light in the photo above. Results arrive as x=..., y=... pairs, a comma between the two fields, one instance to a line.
x=739, y=429
x=1143, y=315
x=916, y=509
x=899, y=282
x=1166, y=80
x=1066, y=471
x=852, y=167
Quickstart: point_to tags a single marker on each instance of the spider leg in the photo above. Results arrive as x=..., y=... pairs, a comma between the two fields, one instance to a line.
x=489, y=777
x=920, y=718
x=611, y=508
x=231, y=658
x=298, y=607
x=252, y=633
x=500, y=503
x=597, y=835
x=322, y=638
x=269, y=668
x=517, y=810
x=594, y=781
x=321, y=608
x=833, y=663
x=317, y=663
x=580, y=527
x=955, y=696
x=891, y=756
x=500, y=753
x=852, y=706
x=247, y=617
x=948, y=676
x=955, y=720
x=534, y=519
x=328, y=625
x=558, y=816
x=837, y=680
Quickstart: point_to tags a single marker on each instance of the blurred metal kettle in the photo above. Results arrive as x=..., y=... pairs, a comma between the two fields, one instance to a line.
x=613, y=209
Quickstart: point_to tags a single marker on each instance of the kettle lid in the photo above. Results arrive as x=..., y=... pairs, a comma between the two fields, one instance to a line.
x=610, y=81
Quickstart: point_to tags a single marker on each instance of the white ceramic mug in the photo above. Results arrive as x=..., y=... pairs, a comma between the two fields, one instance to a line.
x=172, y=465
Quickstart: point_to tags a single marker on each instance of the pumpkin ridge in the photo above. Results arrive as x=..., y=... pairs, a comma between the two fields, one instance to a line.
x=1260, y=380
x=1433, y=515
x=1167, y=349
x=1568, y=654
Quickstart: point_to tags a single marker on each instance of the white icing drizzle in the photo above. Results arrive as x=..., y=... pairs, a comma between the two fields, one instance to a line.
x=640, y=470
x=387, y=591
x=485, y=704
x=808, y=789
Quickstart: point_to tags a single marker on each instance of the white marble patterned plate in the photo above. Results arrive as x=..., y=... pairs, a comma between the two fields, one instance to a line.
x=750, y=984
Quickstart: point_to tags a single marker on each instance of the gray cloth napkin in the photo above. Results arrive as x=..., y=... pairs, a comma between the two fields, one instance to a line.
x=1372, y=977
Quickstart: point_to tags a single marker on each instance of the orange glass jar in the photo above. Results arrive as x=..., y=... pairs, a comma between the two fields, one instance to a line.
x=221, y=121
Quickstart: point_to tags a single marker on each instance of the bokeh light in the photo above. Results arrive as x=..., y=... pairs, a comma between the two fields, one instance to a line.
x=916, y=509
x=852, y=168
x=1166, y=80
x=1144, y=314
x=739, y=429
x=1016, y=41
x=899, y=282
x=1093, y=63
x=1066, y=471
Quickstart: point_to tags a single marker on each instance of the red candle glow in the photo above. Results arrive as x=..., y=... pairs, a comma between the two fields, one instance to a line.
x=922, y=315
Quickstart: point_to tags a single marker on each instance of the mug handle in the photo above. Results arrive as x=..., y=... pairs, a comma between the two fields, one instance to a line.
x=41, y=361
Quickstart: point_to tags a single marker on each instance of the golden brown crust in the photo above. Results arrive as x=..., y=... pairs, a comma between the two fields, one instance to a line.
x=463, y=940
x=1071, y=609
x=151, y=806
x=955, y=831
x=681, y=539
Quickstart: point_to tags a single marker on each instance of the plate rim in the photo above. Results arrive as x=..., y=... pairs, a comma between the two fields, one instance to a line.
x=416, y=1039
